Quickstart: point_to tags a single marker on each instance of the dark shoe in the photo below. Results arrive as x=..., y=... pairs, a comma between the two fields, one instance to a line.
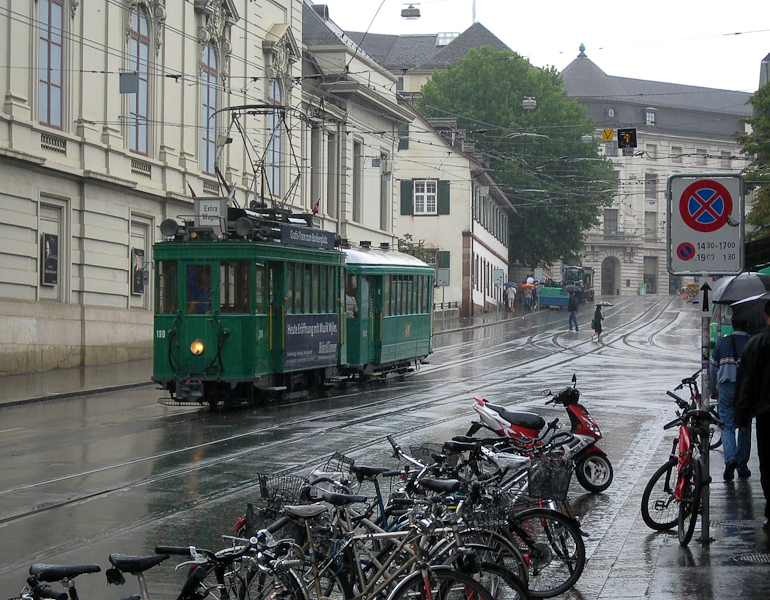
x=744, y=474
x=730, y=470
x=766, y=525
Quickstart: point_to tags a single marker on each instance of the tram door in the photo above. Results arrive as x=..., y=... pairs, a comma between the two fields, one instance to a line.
x=366, y=314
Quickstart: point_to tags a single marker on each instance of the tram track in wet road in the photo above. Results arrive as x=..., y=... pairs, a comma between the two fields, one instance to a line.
x=377, y=409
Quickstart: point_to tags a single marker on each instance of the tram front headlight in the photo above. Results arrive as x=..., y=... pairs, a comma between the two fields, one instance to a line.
x=197, y=347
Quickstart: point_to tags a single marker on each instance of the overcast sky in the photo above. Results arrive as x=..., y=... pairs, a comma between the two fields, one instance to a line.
x=677, y=41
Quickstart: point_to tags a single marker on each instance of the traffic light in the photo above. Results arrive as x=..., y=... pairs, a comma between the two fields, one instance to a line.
x=627, y=138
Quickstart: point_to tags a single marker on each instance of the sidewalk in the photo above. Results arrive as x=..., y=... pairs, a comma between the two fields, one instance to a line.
x=65, y=383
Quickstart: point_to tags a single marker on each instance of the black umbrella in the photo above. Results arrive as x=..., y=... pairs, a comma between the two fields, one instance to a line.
x=751, y=310
x=571, y=288
x=741, y=287
x=604, y=303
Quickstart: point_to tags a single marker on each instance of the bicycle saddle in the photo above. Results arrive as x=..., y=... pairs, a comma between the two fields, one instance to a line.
x=51, y=573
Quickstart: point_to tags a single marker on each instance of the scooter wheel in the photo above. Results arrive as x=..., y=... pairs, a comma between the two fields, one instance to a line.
x=594, y=472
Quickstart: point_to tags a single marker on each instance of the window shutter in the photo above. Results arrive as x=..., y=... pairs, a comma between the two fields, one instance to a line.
x=443, y=197
x=442, y=260
x=407, y=204
x=403, y=136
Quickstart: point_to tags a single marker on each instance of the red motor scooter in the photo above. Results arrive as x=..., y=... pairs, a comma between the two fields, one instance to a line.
x=592, y=467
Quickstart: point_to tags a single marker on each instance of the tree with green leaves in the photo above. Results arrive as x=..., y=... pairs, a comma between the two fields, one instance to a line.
x=757, y=174
x=558, y=182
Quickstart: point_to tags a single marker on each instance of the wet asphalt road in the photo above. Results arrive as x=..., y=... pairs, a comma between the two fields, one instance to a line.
x=84, y=477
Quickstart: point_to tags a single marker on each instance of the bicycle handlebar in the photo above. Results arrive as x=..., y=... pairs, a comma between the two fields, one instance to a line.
x=43, y=590
x=683, y=404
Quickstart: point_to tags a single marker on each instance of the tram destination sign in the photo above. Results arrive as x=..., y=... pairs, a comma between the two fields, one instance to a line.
x=705, y=224
x=293, y=235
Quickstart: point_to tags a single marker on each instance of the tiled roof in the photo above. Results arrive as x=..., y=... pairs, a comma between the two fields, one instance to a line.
x=398, y=52
x=584, y=80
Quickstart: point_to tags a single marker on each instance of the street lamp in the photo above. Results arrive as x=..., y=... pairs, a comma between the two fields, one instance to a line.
x=525, y=134
x=529, y=103
x=586, y=138
x=413, y=12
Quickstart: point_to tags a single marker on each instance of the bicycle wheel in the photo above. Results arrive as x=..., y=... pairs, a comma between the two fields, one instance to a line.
x=268, y=584
x=553, y=542
x=690, y=504
x=501, y=583
x=491, y=546
x=715, y=437
x=660, y=510
x=440, y=583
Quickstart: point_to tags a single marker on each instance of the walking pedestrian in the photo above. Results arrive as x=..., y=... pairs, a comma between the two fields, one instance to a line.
x=752, y=399
x=723, y=374
x=510, y=298
x=596, y=324
x=528, y=298
x=572, y=307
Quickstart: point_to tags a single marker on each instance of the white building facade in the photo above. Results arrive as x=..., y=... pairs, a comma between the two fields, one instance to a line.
x=680, y=130
x=453, y=210
x=111, y=121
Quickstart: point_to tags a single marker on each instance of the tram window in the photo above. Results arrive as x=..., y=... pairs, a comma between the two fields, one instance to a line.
x=323, y=304
x=386, y=296
x=332, y=289
x=234, y=286
x=418, y=293
x=316, y=296
x=307, y=288
x=259, y=301
x=404, y=296
x=199, y=289
x=289, y=287
x=351, y=296
x=167, y=299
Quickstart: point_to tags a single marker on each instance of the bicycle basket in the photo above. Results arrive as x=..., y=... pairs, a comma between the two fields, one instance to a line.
x=259, y=517
x=276, y=490
x=491, y=512
x=424, y=452
x=549, y=477
x=339, y=463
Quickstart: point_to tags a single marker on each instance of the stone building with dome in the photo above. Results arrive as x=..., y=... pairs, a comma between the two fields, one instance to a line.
x=681, y=129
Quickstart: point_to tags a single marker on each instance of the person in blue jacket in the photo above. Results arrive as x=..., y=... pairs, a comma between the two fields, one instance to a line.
x=723, y=375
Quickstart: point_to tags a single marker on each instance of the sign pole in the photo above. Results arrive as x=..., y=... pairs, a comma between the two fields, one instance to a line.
x=705, y=223
x=705, y=403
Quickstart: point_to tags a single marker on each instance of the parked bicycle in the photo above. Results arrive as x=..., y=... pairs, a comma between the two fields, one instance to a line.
x=673, y=494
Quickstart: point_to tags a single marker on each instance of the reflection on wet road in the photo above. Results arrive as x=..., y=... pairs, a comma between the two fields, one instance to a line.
x=119, y=473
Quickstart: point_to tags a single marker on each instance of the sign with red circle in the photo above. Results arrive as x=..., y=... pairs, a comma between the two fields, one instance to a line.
x=685, y=251
x=705, y=215
x=705, y=206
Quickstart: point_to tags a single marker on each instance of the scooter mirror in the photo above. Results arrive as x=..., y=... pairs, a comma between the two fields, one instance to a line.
x=574, y=378
x=546, y=392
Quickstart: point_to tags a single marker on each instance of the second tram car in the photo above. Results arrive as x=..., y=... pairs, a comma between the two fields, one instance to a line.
x=255, y=305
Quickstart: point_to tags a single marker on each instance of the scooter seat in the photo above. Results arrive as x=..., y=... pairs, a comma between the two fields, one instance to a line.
x=518, y=417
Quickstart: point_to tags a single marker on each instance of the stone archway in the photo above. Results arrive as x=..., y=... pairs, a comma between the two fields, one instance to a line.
x=610, y=276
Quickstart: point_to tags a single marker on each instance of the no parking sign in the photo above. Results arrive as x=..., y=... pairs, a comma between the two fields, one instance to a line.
x=705, y=224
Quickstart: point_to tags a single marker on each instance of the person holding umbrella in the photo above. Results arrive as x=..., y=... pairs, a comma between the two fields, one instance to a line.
x=723, y=374
x=572, y=308
x=596, y=323
x=752, y=399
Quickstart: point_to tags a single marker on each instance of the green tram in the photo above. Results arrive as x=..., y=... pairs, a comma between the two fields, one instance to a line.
x=255, y=305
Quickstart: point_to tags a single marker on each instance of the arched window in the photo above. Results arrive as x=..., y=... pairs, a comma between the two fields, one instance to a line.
x=274, y=142
x=139, y=52
x=209, y=77
x=50, y=62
